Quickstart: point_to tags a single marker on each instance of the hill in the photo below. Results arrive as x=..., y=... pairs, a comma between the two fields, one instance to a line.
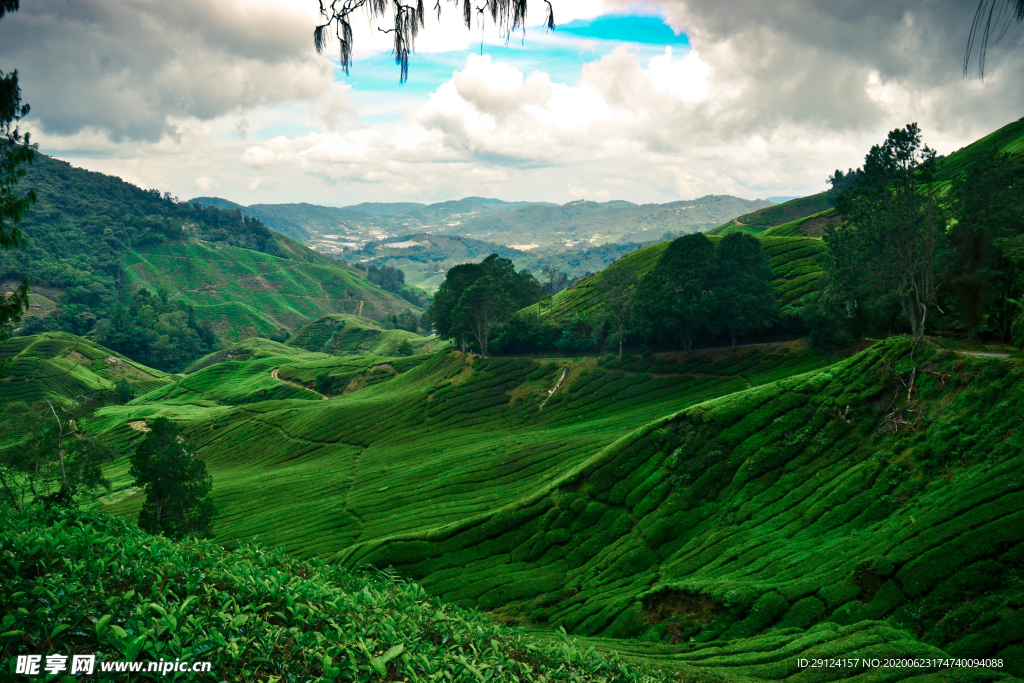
x=1007, y=140
x=341, y=624
x=590, y=223
x=348, y=334
x=769, y=217
x=714, y=507
x=62, y=365
x=793, y=261
x=93, y=241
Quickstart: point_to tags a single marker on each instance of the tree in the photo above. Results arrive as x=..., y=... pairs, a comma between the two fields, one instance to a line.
x=892, y=228
x=675, y=300
x=985, y=212
x=48, y=456
x=520, y=288
x=16, y=152
x=481, y=308
x=408, y=19
x=176, y=483
x=743, y=287
x=991, y=17
x=620, y=299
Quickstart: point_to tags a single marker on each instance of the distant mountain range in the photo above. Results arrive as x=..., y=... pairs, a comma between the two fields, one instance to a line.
x=577, y=237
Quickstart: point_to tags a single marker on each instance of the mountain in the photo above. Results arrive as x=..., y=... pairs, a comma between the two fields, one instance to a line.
x=591, y=223
x=94, y=242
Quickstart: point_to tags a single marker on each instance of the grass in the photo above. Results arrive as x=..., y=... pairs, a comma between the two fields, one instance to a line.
x=255, y=614
x=245, y=293
x=61, y=365
x=346, y=334
x=793, y=260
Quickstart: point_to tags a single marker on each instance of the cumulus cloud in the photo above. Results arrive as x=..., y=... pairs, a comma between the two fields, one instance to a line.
x=128, y=68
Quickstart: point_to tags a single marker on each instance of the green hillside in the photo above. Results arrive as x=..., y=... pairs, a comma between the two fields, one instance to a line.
x=710, y=507
x=234, y=609
x=1007, y=140
x=793, y=260
x=769, y=217
x=245, y=293
x=93, y=240
x=57, y=364
x=346, y=334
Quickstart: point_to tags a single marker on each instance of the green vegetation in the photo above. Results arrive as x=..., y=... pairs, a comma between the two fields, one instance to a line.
x=788, y=212
x=256, y=614
x=94, y=241
x=347, y=334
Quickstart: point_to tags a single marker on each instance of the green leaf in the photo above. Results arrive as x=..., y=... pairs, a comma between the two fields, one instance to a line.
x=58, y=629
x=101, y=625
x=240, y=620
x=134, y=647
x=11, y=634
x=392, y=653
x=118, y=631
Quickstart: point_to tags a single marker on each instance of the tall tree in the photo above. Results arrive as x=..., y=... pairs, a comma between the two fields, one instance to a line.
x=481, y=308
x=16, y=152
x=893, y=225
x=620, y=300
x=743, y=288
x=674, y=298
x=177, y=485
x=985, y=213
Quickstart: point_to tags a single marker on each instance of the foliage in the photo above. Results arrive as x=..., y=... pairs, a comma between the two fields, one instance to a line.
x=888, y=250
x=393, y=280
x=621, y=300
x=175, y=481
x=985, y=210
x=742, y=287
x=16, y=152
x=256, y=614
x=474, y=297
x=47, y=456
x=777, y=214
x=675, y=297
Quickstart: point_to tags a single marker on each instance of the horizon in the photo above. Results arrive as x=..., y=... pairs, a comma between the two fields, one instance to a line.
x=644, y=102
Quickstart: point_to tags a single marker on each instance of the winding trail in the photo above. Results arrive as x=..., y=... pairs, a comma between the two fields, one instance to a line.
x=273, y=375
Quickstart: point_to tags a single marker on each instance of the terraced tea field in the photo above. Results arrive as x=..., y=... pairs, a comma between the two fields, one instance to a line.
x=245, y=293
x=61, y=365
x=346, y=334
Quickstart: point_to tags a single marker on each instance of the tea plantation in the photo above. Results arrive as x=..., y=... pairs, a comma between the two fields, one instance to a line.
x=88, y=584
x=244, y=293
x=344, y=334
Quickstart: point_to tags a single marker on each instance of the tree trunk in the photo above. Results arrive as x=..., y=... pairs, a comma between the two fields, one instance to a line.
x=10, y=493
x=733, y=343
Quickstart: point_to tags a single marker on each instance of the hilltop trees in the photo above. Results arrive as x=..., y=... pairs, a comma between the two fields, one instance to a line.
x=475, y=298
x=675, y=300
x=621, y=300
x=166, y=467
x=742, y=285
x=893, y=227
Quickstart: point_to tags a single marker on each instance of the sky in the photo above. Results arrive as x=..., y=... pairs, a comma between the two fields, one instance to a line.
x=649, y=102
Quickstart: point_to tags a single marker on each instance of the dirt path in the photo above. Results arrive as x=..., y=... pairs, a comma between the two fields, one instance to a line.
x=273, y=375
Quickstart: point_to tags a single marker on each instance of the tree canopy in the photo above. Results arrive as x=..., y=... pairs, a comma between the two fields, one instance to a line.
x=177, y=485
x=742, y=286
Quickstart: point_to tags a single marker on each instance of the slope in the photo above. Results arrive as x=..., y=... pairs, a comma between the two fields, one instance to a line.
x=57, y=364
x=245, y=293
x=793, y=261
x=347, y=334
x=746, y=530
x=769, y=217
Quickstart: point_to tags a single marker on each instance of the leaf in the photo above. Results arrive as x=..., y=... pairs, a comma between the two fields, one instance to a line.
x=118, y=631
x=134, y=647
x=240, y=620
x=11, y=634
x=101, y=625
x=59, y=628
x=392, y=653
